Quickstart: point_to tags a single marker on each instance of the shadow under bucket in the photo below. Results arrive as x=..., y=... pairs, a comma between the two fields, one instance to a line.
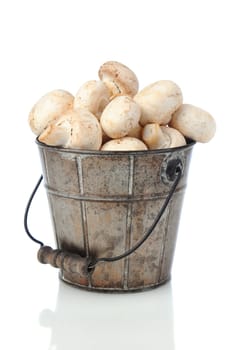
x=122, y=205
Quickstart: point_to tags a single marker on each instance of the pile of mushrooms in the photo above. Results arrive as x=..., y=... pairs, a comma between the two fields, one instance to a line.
x=111, y=114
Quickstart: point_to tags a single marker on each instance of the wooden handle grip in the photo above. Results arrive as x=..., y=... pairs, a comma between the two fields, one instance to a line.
x=69, y=262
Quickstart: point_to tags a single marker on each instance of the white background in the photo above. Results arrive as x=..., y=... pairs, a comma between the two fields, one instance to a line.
x=50, y=44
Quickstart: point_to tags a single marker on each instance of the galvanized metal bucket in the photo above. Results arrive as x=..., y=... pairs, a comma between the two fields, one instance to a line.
x=115, y=215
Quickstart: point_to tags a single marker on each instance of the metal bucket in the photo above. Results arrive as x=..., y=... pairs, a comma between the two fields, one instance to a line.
x=103, y=203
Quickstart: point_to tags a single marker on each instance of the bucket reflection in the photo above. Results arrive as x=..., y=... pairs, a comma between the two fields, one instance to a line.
x=110, y=321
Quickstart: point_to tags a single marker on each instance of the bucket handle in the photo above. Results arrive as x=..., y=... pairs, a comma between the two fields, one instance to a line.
x=75, y=263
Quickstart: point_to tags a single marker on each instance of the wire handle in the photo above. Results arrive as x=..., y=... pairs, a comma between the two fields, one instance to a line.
x=27, y=212
x=75, y=263
x=173, y=172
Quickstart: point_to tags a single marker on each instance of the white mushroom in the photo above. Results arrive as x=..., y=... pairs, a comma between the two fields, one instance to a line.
x=120, y=116
x=158, y=137
x=76, y=129
x=124, y=144
x=57, y=133
x=119, y=79
x=158, y=101
x=48, y=108
x=153, y=136
x=94, y=96
x=193, y=122
x=174, y=137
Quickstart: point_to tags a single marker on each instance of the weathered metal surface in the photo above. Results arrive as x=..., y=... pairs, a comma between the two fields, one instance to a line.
x=102, y=203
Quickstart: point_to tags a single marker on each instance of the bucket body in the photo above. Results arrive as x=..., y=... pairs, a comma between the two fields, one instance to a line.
x=102, y=203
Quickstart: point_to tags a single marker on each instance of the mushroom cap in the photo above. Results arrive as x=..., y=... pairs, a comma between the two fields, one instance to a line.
x=174, y=137
x=158, y=137
x=119, y=79
x=78, y=129
x=120, y=116
x=158, y=101
x=49, y=107
x=124, y=144
x=92, y=95
x=56, y=133
x=193, y=122
x=153, y=136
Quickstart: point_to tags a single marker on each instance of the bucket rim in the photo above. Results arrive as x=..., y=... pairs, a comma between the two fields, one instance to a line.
x=190, y=143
